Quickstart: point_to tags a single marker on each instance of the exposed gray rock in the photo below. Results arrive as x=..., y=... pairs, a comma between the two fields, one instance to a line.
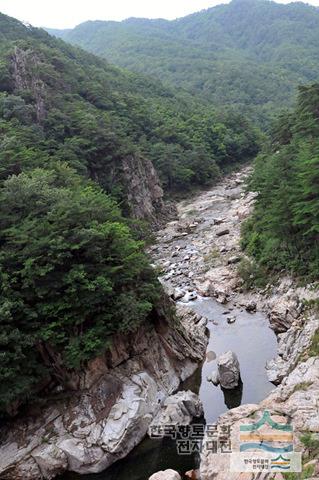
x=25, y=66
x=143, y=190
x=234, y=194
x=251, y=307
x=224, y=231
x=218, y=221
x=214, y=378
x=178, y=294
x=295, y=402
x=231, y=319
x=228, y=370
x=234, y=259
x=119, y=395
x=291, y=345
x=165, y=475
x=189, y=297
x=178, y=409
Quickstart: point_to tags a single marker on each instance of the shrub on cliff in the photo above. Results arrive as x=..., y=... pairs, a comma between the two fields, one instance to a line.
x=71, y=275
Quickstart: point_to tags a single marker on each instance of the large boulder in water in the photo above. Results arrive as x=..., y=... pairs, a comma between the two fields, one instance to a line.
x=228, y=370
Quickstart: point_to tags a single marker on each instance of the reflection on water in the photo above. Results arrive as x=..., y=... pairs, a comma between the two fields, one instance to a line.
x=253, y=342
x=233, y=397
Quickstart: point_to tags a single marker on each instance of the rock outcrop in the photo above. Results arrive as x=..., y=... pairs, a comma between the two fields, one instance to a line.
x=295, y=401
x=25, y=65
x=119, y=395
x=228, y=370
x=166, y=475
x=144, y=194
x=136, y=175
x=197, y=255
x=178, y=409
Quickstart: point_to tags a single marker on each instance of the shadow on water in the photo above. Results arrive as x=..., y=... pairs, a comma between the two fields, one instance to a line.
x=147, y=458
x=253, y=342
x=233, y=397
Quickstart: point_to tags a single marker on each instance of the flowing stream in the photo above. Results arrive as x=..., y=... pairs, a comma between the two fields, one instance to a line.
x=249, y=337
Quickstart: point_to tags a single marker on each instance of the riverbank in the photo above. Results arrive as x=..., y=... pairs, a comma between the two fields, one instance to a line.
x=198, y=256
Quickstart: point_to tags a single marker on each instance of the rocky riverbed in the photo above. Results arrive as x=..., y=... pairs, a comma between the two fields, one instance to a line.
x=118, y=396
x=198, y=256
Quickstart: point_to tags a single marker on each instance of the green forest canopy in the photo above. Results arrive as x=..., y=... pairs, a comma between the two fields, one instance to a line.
x=283, y=233
x=248, y=53
x=72, y=272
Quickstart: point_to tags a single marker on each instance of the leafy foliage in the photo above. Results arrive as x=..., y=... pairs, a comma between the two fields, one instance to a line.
x=72, y=272
x=249, y=53
x=73, y=107
x=71, y=276
x=284, y=230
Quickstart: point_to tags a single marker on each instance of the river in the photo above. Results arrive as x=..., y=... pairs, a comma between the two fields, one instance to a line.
x=183, y=251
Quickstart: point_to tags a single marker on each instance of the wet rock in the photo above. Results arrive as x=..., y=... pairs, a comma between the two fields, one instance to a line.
x=165, y=475
x=178, y=409
x=228, y=370
x=231, y=320
x=251, y=307
x=192, y=475
x=224, y=231
x=210, y=356
x=189, y=297
x=295, y=402
x=233, y=260
x=178, y=294
x=214, y=378
x=119, y=395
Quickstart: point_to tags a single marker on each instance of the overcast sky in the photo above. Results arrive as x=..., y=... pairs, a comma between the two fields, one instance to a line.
x=68, y=13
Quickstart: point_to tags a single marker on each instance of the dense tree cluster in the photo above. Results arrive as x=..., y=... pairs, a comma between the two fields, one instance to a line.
x=72, y=271
x=283, y=233
x=71, y=275
x=95, y=114
x=249, y=53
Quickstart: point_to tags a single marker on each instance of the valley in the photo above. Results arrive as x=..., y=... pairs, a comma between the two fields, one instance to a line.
x=159, y=244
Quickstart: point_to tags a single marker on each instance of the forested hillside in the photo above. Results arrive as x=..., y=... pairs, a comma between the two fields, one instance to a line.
x=249, y=53
x=92, y=114
x=283, y=233
x=72, y=271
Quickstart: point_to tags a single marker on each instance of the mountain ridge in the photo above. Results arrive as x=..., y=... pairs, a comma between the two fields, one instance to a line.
x=251, y=53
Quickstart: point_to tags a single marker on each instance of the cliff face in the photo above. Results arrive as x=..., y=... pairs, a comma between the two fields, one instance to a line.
x=25, y=65
x=143, y=191
x=119, y=394
x=137, y=177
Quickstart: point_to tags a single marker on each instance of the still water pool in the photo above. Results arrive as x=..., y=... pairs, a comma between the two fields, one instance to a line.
x=253, y=342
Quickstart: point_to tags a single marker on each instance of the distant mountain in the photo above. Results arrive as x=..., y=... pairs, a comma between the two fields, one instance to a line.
x=77, y=137
x=61, y=103
x=251, y=53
